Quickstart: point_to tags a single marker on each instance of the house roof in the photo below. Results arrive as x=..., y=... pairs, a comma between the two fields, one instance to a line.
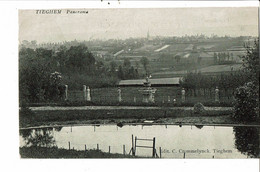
x=154, y=82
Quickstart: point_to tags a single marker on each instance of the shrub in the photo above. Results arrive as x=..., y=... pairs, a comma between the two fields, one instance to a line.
x=26, y=116
x=247, y=103
x=198, y=108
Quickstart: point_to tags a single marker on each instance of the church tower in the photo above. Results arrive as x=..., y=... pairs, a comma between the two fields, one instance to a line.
x=148, y=35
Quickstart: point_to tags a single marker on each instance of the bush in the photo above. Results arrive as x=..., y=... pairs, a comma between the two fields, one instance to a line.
x=247, y=103
x=26, y=116
x=198, y=108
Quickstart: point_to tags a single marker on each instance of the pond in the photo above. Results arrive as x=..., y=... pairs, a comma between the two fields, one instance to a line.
x=195, y=141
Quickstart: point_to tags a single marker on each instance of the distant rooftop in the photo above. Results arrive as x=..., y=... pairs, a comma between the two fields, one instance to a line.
x=155, y=82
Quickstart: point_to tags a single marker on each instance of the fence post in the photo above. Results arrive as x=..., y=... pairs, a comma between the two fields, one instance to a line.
x=154, y=147
x=88, y=94
x=85, y=92
x=119, y=95
x=66, y=92
x=124, y=149
x=97, y=147
x=183, y=95
x=85, y=148
x=133, y=151
x=69, y=145
x=108, y=149
x=184, y=155
x=216, y=94
x=135, y=144
x=160, y=152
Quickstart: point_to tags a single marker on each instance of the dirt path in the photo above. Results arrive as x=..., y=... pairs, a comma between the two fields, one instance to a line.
x=50, y=108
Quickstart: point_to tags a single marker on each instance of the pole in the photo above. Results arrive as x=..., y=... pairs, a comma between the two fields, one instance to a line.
x=154, y=147
x=85, y=92
x=135, y=145
x=160, y=152
x=133, y=152
x=69, y=145
x=184, y=155
x=108, y=149
x=124, y=149
x=66, y=92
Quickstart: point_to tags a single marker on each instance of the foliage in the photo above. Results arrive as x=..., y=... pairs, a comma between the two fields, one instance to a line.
x=127, y=71
x=144, y=61
x=247, y=103
x=247, y=96
x=34, y=73
x=201, y=84
x=44, y=72
x=198, y=108
x=26, y=116
x=38, y=137
x=251, y=61
x=247, y=140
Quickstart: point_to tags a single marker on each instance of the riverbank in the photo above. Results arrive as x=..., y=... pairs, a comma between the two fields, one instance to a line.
x=39, y=116
x=43, y=152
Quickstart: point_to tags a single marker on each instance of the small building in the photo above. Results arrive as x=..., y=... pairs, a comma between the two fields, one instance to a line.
x=157, y=82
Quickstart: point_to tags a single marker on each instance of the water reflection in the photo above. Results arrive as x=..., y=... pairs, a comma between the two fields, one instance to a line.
x=57, y=128
x=199, y=126
x=42, y=137
x=247, y=140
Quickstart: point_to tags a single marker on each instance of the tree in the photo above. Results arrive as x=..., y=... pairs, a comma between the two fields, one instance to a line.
x=80, y=59
x=144, y=61
x=247, y=96
x=215, y=58
x=120, y=73
x=113, y=66
x=127, y=63
x=35, y=80
x=232, y=56
x=177, y=58
x=199, y=60
x=62, y=57
x=228, y=56
x=251, y=61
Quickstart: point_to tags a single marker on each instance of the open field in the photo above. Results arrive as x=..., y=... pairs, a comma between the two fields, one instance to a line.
x=208, y=69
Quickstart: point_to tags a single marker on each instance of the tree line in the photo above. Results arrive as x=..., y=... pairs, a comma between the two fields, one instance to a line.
x=44, y=72
x=198, y=84
x=223, y=58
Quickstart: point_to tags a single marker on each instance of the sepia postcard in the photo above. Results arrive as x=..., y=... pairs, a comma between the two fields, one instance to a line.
x=172, y=83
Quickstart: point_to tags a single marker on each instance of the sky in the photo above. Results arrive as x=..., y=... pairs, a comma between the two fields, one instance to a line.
x=125, y=23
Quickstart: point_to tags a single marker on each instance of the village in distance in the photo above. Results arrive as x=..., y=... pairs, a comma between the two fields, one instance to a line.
x=190, y=80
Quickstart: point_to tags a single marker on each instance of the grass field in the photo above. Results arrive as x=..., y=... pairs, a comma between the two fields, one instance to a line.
x=43, y=152
x=207, y=69
x=30, y=118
